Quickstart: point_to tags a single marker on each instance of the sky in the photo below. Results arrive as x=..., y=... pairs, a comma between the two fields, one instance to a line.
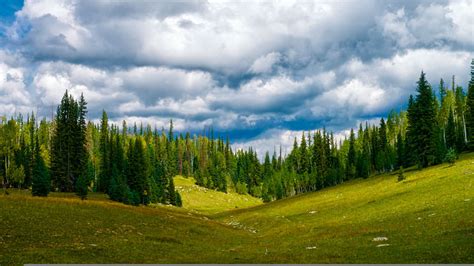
x=260, y=72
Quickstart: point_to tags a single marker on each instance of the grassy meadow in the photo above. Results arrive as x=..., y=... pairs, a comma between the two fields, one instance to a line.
x=428, y=218
x=208, y=201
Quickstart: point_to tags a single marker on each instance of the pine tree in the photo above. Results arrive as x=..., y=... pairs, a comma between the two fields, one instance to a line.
x=67, y=150
x=104, y=176
x=41, y=184
x=470, y=110
x=450, y=131
x=411, y=133
x=137, y=173
x=172, y=192
x=382, y=162
x=81, y=149
x=351, y=156
x=82, y=186
x=400, y=150
x=424, y=123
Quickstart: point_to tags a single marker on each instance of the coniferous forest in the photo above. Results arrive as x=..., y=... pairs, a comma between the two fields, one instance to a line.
x=135, y=164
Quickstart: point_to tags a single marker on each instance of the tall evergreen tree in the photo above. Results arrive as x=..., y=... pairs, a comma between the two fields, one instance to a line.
x=81, y=150
x=41, y=184
x=351, y=156
x=451, y=131
x=68, y=142
x=105, y=170
x=424, y=123
x=400, y=150
x=470, y=110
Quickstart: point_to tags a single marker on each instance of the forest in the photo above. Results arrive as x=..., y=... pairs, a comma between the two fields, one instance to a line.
x=135, y=164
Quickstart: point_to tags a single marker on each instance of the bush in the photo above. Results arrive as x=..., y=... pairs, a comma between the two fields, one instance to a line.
x=133, y=198
x=401, y=175
x=179, y=202
x=41, y=183
x=451, y=156
x=82, y=186
x=241, y=188
x=256, y=191
x=118, y=189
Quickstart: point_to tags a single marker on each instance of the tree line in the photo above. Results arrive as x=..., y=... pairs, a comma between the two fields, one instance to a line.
x=136, y=164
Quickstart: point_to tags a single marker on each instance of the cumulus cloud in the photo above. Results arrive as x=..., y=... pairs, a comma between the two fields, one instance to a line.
x=162, y=82
x=14, y=97
x=265, y=64
x=275, y=139
x=243, y=68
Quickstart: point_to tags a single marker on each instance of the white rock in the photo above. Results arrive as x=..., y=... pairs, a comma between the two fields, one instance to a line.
x=383, y=245
x=313, y=247
x=313, y=212
x=380, y=238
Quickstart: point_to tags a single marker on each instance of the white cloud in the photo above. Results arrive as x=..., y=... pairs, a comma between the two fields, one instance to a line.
x=432, y=24
x=272, y=139
x=14, y=98
x=233, y=65
x=352, y=99
x=157, y=83
x=264, y=64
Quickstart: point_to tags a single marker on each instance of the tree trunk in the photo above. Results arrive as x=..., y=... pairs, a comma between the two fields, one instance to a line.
x=464, y=127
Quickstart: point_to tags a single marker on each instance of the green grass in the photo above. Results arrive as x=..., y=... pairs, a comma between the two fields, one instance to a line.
x=208, y=201
x=428, y=218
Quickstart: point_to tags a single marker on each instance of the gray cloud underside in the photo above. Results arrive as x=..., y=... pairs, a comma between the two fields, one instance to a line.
x=237, y=66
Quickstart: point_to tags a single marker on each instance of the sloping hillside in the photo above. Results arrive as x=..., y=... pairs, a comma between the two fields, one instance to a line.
x=208, y=201
x=427, y=218
x=64, y=229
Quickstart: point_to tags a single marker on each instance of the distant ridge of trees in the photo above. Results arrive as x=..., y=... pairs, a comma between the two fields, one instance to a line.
x=136, y=165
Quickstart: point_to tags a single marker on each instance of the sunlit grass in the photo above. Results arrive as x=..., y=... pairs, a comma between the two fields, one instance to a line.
x=428, y=218
x=210, y=201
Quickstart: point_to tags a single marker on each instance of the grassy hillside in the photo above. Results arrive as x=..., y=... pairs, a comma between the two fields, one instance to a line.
x=208, y=201
x=428, y=218
x=64, y=229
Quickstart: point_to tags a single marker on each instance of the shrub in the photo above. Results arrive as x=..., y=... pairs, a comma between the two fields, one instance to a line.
x=118, y=189
x=179, y=202
x=133, y=198
x=82, y=187
x=241, y=188
x=401, y=175
x=41, y=183
x=451, y=156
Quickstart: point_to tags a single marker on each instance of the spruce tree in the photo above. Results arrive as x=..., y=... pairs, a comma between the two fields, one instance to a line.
x=351, y=157
x=171, y=192
x=104, y=174
x=82, y=186
x=400, y=150
x=41, y=183
x=411, y=136
x=424, y=123
x=81, y=149
x=68, y=142
x=450, y=132
x=382, y=162
x=470, y=110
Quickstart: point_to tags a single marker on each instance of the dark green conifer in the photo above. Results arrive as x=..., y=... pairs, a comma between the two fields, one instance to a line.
x=41, y=183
